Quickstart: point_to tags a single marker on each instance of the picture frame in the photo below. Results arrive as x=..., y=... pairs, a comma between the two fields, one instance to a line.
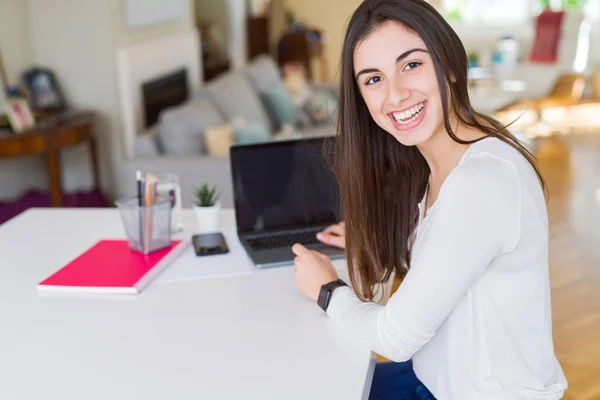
x=3, y=85
x=2, y=96
x=43, y=91
x=19, y=114
x=144, y=13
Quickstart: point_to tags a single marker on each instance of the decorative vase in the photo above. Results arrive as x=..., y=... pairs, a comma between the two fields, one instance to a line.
x=208, y=218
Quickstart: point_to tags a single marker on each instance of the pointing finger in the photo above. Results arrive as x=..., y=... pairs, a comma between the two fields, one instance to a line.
x=298, y=249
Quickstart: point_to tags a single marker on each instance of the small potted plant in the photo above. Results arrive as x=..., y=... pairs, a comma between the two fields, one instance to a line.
x=207, y=209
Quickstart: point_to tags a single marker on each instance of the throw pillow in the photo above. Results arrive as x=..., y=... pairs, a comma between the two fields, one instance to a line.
x=280, y=104
x=294, y=78
x=179, y=131
x=219, y=139
x=288, y=132
x=296, y=83
x=321, y=106
x=251, y=132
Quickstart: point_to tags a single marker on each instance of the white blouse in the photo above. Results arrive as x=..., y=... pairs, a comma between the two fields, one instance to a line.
x=474, y=309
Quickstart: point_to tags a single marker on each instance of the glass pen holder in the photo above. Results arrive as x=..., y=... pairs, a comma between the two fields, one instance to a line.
x=148, y=228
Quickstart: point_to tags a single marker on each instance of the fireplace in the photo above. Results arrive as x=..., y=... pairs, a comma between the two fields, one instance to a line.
x=175, y=57
x=162, y=92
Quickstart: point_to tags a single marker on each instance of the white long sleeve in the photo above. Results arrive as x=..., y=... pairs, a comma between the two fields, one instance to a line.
x=472, y=242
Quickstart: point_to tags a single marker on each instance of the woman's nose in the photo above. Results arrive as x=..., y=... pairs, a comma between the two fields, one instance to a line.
x=397, y=93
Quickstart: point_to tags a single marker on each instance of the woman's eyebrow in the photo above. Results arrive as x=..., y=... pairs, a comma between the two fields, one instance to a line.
x=400, y=58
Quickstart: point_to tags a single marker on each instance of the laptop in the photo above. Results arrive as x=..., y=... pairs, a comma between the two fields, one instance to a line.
x=284, y=193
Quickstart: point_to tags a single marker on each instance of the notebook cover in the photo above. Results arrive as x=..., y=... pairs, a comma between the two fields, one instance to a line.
x=109, y=266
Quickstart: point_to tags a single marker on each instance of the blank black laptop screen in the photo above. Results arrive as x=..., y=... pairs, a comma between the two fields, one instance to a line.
x=281, y=185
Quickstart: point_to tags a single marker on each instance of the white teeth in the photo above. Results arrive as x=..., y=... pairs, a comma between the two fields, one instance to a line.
x=408, y=116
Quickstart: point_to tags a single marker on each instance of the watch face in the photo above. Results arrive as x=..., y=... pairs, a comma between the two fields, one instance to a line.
x=323, y=300
x=326, y=291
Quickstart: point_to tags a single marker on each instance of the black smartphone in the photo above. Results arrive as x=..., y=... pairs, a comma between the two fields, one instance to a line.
x=207, y=244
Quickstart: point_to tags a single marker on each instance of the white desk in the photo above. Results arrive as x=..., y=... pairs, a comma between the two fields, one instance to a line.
x=246, y=337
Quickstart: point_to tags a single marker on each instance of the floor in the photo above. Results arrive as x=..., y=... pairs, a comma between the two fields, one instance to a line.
x=571, y=168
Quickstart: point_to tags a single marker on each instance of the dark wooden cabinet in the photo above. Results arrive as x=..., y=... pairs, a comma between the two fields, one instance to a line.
x=258, y=36
x=302, y=45
x=214, y=69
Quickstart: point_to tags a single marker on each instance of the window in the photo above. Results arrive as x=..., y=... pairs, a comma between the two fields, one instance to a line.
x=510, y=12
x=487, y=12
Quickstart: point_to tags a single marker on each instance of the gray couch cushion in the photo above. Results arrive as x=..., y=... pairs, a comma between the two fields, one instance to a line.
x=234, y=96
x=200, y=93
x=145, y=143
x=263, y=73
x=180, y=128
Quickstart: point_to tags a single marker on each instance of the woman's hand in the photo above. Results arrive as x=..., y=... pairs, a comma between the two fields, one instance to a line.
x=334, y=235
x=311, y=271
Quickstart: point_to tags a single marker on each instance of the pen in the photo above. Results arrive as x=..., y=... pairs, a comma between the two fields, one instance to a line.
x=138, y=177
x=149, y=184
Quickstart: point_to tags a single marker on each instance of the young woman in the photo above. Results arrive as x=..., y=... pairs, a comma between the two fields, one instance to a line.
x=448, y=200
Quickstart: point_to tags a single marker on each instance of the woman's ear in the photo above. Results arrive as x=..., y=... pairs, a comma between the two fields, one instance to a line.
x=452, y=77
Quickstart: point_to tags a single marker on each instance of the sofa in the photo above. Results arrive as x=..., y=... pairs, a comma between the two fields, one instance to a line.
x=178, y=142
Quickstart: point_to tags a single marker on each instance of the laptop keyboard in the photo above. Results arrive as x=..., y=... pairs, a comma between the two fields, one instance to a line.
x=275, y=241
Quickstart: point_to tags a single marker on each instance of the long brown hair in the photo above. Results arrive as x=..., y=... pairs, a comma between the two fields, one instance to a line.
x=381, y=181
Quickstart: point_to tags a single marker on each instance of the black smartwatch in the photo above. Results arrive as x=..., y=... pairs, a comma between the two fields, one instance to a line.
x=327, y=291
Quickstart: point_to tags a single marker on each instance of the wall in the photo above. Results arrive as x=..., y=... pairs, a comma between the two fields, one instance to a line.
x=17, y=55
x=215, y=12
x=594, y=61
x=74, y=39
x=123, y=35
x=230, y=18
x=332, y=16
x=237, y=32
x=15, y=43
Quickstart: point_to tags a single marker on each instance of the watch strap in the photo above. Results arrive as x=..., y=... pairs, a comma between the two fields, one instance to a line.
x=327, y=291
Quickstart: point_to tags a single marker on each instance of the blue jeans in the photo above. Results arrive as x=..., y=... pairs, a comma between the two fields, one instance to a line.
x=397, y=381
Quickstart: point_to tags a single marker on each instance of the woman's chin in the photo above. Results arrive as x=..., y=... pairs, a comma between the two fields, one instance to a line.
x=409, y=138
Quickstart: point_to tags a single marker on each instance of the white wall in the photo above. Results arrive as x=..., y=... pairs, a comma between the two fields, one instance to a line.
x=15, y=46
x=237, y=32
x=123, y=35
x=15, y=43
x=594, y=61
x=74, y=39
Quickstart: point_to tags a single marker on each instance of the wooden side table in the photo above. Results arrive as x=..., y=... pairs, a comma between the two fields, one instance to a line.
x=47, y=139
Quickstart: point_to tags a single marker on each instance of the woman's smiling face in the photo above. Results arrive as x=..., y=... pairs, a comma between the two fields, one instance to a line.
x=397, y=80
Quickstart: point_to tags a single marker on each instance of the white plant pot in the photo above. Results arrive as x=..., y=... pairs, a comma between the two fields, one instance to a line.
x=208, y=218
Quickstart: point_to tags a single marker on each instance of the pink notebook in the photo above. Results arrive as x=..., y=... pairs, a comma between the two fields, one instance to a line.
x=111, y=267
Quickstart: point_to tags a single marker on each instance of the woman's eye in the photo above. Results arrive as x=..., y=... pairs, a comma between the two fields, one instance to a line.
x=373, y=80
x=412, y=65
